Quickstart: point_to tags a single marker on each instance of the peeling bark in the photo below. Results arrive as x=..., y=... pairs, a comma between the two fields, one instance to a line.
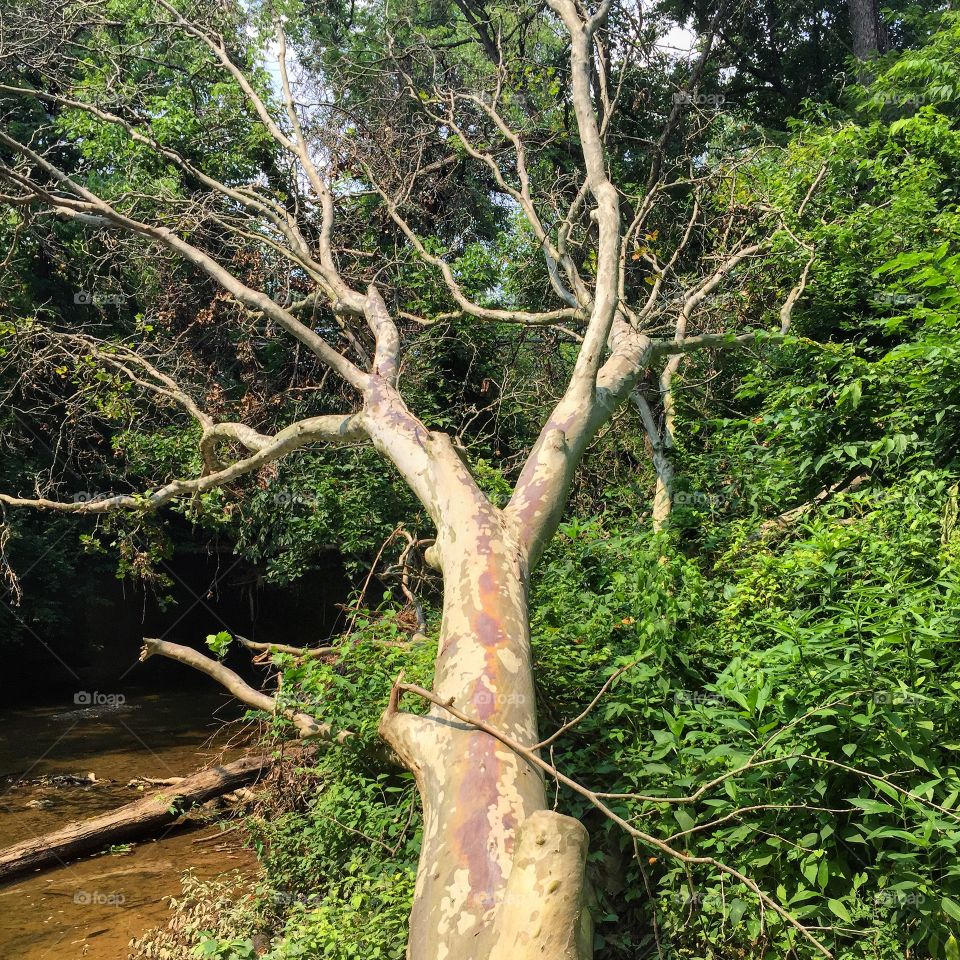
x=478, y=794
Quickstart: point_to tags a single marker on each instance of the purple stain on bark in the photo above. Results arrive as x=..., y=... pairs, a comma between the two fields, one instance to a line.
x=479, y=793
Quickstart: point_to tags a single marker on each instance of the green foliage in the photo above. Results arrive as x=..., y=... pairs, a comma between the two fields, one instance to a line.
x=371, y=910
x=339, y=843
x=213, y=948
x=824, y=642
x=213, y=918
x=318, y=501
x=833, y=659
x=219, y=643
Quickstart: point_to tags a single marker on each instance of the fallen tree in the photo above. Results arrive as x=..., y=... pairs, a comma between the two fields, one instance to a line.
x=638, y=274
x=305, y=724
x=133, y=820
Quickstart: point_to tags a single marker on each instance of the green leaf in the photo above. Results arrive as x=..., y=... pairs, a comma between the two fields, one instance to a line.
x=839, y=910
x=871, y=806
x=219, y=643
x=737, y=909
x=951, y=908
x=684, y=819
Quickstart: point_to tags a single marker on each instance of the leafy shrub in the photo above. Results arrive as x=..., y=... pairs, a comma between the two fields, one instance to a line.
x=217, y=912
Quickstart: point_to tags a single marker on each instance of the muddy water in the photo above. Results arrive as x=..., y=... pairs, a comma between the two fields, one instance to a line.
x=90, y=908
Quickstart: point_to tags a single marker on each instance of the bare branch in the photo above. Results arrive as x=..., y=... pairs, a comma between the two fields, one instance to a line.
x=350, y=428
x=607, y=212
x=456, y=291
x=285, y=648
x=306, y=725
x=255, y=299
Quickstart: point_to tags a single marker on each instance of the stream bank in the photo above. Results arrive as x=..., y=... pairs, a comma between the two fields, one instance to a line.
x=92, y=907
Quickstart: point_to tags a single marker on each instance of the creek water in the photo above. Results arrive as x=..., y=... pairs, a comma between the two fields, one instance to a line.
x=91, y=908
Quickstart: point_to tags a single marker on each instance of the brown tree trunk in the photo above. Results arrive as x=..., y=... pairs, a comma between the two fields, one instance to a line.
x=131, y=821
x=866, y=24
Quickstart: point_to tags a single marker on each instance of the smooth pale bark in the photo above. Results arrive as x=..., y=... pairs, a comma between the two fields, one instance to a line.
x=543, y=914
x=663, y=497
x=305, y=724
x=477, y=794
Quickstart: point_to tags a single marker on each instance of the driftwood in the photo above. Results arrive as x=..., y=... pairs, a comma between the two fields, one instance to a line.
x=133, y=820
x=154, y=781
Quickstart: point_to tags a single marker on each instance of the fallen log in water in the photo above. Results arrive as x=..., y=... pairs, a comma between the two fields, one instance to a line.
x=133, y=820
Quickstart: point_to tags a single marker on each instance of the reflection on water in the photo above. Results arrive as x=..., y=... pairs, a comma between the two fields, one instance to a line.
x=91, y=908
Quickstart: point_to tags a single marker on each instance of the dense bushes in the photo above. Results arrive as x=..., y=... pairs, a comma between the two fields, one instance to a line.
x=827, y=658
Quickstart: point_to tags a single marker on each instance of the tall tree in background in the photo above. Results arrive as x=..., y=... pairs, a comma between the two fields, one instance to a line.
x=635, y=274
x=867, y=27
x=770, y=58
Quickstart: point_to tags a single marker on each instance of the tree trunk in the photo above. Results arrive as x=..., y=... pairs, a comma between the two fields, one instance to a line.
x=662, y=464
x=500, y=876
x=866, y=25
x=663, y=497
x=131, y=821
